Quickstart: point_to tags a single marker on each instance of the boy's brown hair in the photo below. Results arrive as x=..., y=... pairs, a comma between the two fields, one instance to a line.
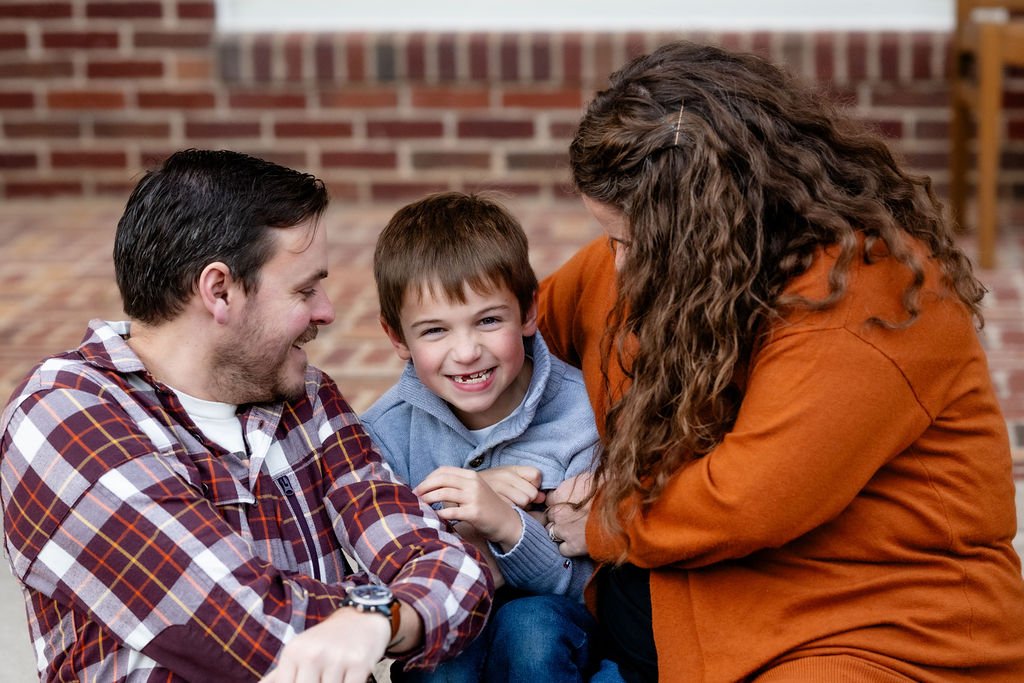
x=450, y=240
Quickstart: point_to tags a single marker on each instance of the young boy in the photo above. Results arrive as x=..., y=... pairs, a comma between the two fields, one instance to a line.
x=482, y=422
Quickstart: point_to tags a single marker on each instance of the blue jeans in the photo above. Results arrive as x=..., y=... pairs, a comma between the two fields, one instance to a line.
x=527, y=640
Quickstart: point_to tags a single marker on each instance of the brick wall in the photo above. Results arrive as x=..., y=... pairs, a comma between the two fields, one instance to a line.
x=93, y=91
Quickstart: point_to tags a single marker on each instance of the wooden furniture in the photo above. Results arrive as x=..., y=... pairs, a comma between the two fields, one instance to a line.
x=988, y=37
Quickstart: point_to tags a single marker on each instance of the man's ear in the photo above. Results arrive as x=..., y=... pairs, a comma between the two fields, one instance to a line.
x=530, y=319
x=396, y=340
x=217, y=291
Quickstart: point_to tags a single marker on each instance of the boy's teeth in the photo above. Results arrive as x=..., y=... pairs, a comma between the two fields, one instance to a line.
x=474, y=377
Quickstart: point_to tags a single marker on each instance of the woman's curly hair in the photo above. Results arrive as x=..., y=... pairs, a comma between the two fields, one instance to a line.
x=730, y=176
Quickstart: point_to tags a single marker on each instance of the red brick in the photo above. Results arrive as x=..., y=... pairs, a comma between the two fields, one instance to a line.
x=124, y=10
x=18, y=160
x=187, y=99
x=563, y=130
x=537, y=99
x=257, y=100
x=262, y=59
x=197, y=10
x=446, y=58
x=404, y=191
x=540, y=57
x=572, y=58
x=761, y=43
x=173, y=39
x=17, y=100
x=931, y=130
x=22, y=189
x=129, y=69
x=131, y=129
x=927, y=160
x=85, y=99
x=13, y=41
x=88, y=159
x=921, y=96
x=323, y=58
x=404, y=129
x=359, y=98
x=416, y=57
x=920, y=56
x=889, y=56
x=35, y=10
x=857, y=56
x=355, y=57
x=451, y=98
x=221, y=129
x=291, y=159
x=429, y=160
x=605, y=59
x=504, y=188
x=313, y=129
x=80, y=40
x=43, y=129
x=889, y=128
x=824, y=56
x=479, y=56
x=37, y=70
x=635, y=45
x=293, y=47
x=509, y=58
x=113, y=188
x=341, y=190
x=198, y=69
x=497, y=129
x=534, y=161
x=359, y=159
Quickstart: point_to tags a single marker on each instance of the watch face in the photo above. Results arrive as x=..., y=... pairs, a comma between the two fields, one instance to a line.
x=371, y=595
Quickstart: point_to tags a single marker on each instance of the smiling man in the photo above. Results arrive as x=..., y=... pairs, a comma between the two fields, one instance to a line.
x=181, y=491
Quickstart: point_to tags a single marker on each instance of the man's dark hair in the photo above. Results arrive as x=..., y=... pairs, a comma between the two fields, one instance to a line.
x=199, y=207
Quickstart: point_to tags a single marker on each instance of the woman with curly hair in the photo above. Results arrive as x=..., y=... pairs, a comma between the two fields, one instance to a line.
x=806, y=475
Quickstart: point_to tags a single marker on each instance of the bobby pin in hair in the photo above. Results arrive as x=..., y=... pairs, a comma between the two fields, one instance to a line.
x=679, y=121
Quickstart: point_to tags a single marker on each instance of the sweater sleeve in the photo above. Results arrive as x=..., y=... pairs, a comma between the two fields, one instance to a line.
x=535, y=563
x=823, y=411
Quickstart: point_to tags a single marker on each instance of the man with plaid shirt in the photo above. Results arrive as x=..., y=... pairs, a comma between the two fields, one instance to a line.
x=181, y=491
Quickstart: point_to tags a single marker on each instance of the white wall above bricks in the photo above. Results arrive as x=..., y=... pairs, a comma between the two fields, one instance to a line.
x=584, y=15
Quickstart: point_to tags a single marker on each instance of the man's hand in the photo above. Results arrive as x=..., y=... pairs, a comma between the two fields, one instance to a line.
x=341, y=649
x=468, y=498
x=518, y=484
x=566, y=525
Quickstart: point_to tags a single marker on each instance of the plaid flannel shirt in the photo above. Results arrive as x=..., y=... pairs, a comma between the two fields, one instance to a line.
x=148, y=553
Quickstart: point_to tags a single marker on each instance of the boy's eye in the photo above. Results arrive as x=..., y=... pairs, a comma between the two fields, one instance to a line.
x=431, y=331
x=490, y=320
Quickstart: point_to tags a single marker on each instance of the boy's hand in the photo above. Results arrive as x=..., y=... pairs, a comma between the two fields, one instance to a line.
x=518, y=484
x=468, y=498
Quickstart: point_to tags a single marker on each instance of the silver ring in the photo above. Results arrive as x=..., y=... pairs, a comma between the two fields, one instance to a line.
x=551, y=534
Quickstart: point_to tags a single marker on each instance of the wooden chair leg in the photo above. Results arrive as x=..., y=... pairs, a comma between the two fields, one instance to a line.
x=990, y=92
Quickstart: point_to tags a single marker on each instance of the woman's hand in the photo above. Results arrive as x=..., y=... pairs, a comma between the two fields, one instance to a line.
x=567, y=525
x=467, y=497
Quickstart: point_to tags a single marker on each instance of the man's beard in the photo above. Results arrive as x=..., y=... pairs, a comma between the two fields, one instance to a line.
x=246, y=372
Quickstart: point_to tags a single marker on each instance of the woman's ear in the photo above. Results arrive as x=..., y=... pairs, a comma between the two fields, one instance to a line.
x=396, y=340
x=216, y=291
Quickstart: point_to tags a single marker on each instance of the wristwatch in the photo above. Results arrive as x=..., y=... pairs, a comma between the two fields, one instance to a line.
x=379, y=599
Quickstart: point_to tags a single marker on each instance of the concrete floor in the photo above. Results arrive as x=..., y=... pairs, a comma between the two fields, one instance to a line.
x=56, y=273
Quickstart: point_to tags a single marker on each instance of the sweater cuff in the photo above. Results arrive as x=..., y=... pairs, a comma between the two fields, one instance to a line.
x=535, y=563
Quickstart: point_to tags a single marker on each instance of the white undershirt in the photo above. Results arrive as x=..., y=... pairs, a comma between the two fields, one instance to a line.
x=217, y=421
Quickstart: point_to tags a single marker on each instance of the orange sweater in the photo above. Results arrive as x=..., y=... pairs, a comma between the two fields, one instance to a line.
x=862, y=505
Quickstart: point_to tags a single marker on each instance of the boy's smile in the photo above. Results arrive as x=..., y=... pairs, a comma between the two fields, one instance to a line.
x=470, y=354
